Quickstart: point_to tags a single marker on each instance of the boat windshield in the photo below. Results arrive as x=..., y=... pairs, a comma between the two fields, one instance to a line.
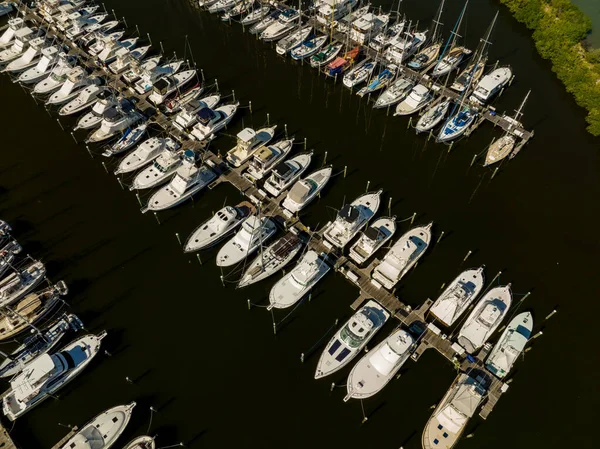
x=58, y=76
x=349, y=337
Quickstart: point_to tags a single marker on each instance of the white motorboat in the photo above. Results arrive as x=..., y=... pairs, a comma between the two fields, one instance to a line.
x=248, y=143
x=112, y=52
x=85, y=99
x=351, y=219
x=351, y=338
x=241, y=8
x=293, y=40
x=38, y=344
x=326, y=55
x=404, y=45
x=206, y=3
x=308, y=47
x=510, y=345
x=49, y=56
x=433, y=116
x=188, y=116
x=84, y=25
x=5, y=228
x=402, y=256
x=450, y=61
x=57, y=77
x=287, y=21
x=255, y=15
x=378, y=366
x=29, y=58
x=130, y=138
x=116, y=120
x=253, y=233
x=491, y=84
x=372, y=239
x=103, y=430
x=366, y=27
x=95, y=32
x=137, y=69
x=292, y=287
x=8, y=251
x=141, y=442
x=46, y=374
x=450, y=418
x=458, y=296
x=457, y=124
x=305, y=190
x=106, y=41
x=10, y=33
x=222, y=5
x=396, y=92
x=220, y=225
x=145, y=153
x=343, y=25
x=77, y=81
x=124, y=61
x=188, y=180
x=210, y=121
x=263, y=24
x=166, y=86
x=272, y=259
x=183, y=98
x=19, y=45
x=360, y=73
x=286, y=173
x=485, y=318
x=419, y=97
x=267, y=157
x=328, y=12
x=162, y=169
x=382, y=39
x=105, y=100
x=17, y=284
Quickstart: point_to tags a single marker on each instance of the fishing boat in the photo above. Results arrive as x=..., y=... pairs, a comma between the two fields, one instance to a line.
x=145, y=77
x=103, y=430
x=485, y=318
x=419, y=97
x=84, y=99
x=385, y=77
x=49, y=57
x=305, y=190
x=359, y=74
x=40, y=342
x=166, y=86
x=293, y=40
x=326, y=55
x=188, y=180
x=10, y=33
x=142, y=442
x=18, y=45
x=163, y=168
x=29, y=58
x=285, y=23
x=511, y=344
x=491, y=84
x=264, y=23
x=382, y=39
x=211, y=121
x=255, y=15
x=402, y=256
x=188, y=116
x=351, y=219
x=458, y=296
x=17, y=284
x=83, y=25
x=28, y=311
x=105, y=100
x=114, y=121
x=248, y=143
x=378, y=366
x=404, y=45
x=458, y=123
x=266, y=158
x=396, y=92
x=292, y=287
x=146, y=68
x=106, y=41
x=272, y=259
x=425, y=59
x=220, y=225
x=48, y=373
x=8, y=251
x=125, y=60
x=352, y=337
x=372, y=239
x=308, y=48
x=77, y=80
x=286, y=173
x=95, y=32
x=57, y=76
x=253, y=232
x=342, y=63
x=433, y=116
x=449, y=419
x=131, y=137
x=180, y=100
x=451, y=61
x=145, y=153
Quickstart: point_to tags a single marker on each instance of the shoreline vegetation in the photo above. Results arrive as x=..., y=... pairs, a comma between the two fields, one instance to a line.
x=559, y=29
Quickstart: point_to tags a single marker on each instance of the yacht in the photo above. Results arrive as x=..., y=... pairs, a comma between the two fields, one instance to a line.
x=222, y=5
x=383, y=38
x=351, y=219
x=145, y=153
x=359, y=74
x=404, y=46
x=105, y=100
x=8, y=251
x=248, y=143
x=125, y=60
x=163, y=168
x=17, y=284
x=451, y=416
x=211, y=121
x=188, y=180
x=293, y=40
x=166, y=86
x=149, y=72
x=308, y=47
x=6, y=8
x=85, y=99
x=266, y=157
x=103, y=430
x=111, y=52
x=263, y=24
x=116, y=120
x=485, y=318
x=29, y=58
x=366, y=27
x=491, y=84
x=286, y=22
x=220, y=225
x=46, y=374
x=272, y=259
x=326, y=55
x=82, y=26
x=397, y=92
x=29, y=310
x=286, y=173
x=458, y=296
x=426, y=58
x=511, y=344
x=290, y=289
x=188, y=116
x=378, y=366
x=49, y=57
x=372, y=239
x=57, y=77
x=433, y=116
x=255, y=15
x=305, y=190
x=10, y=33
x=419, y=97
x=130, y=138
x=39, y=343
x=254, y=232
x=106, y=41
x=328, y=11
x=457, y=124
x=451, y=61
x=95, y=32
x=382, y=80
x=241, y=8
x=19, y=46
x=402, y=256
x=147, y=68
x=352, y=337
x=343, y=24
x=182, y=99
x=141, y=442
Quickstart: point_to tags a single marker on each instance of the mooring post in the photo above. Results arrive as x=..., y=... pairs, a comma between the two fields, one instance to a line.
x=60, y=124
x=87, y=147
x=233, y=94
x=495, y=171
x=120, y=183
x=302, y=358
x=137, y=195
x=409, y=123
x=178, y=238
x=440, y=237
x=249, y=305
x=412, y=220
x=137, y=30
x=473, y=160
x=450, y=146
x=367, y=188
x=305, y=144
x=156, y=216
x=390, y=206
x=345, y=169
x=217, y=84
x=162, y=52
x=324, y=158
x=73, y=136
x=285, y=129
x=467, y=256
x=250, y=106
x=268, y=119
x=114, y=14
x=104, y=165
x=551, y=314
x=125, y=22
x=198, y=257
x=149, y=39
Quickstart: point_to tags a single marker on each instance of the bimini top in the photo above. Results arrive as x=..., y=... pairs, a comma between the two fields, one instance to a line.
x=283, y=169
x=300, y=191
x=349, y=213
x=246, y=134
x=205, y=115
x=288, y=13
x=374, y=233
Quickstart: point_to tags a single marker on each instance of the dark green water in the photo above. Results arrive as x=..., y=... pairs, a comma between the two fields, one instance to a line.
x=592, y=9
x=213, y=369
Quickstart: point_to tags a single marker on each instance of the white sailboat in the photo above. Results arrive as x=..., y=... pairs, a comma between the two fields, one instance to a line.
x=266, y=158
x=294, y=39
x=458, y=123
x=373, y=238
x=141, y=442
x=402, y=256
x=433, y=116
x=352, y=337
x=219, y=226
x=308, y=47
x=248, y=143
x=255, y=15
x=286, y=173
x=360, y=73
x=183, y=98
x=305, y=190
x=510, y=345
x=253, y=233
x=287, y=21
x=395, y=93
x=145, y=153
x=404, y=45
x=8, y=251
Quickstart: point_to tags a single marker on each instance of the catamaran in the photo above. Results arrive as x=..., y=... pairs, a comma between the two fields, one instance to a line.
x=145, y=153
x=373, y=238
x=248, y=143
x=221, y=224
x=286, y=173
x=352, y=337
x=458, y=296
x=511, y=344
x=266, y=158
x=305, y=190
x=253, y=233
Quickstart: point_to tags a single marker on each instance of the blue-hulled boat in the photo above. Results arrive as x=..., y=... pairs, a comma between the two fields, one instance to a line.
x=457, y=124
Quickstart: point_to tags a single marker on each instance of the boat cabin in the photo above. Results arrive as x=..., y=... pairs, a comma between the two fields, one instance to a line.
x=367, y=26
x=328, y=11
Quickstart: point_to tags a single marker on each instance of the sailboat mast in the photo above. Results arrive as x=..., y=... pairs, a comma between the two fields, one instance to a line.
x=485, y=42
x=437, y=21
x=519, y=112
x=456, y=30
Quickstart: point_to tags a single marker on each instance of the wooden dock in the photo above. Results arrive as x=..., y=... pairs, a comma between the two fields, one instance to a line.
x=65, y=438
x=6, y=441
